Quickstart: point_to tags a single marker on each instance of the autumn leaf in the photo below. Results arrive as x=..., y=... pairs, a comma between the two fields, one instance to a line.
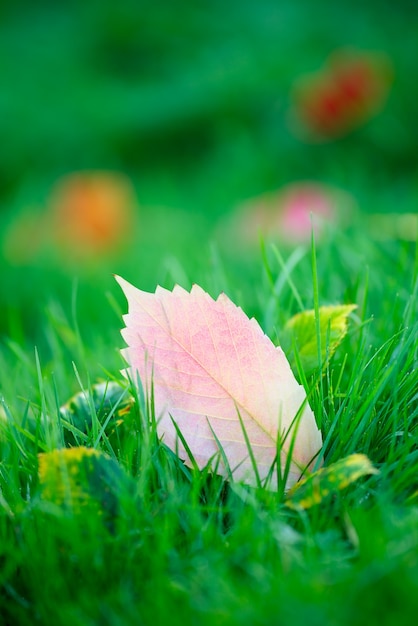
x=222, y=391
x=328, y=480
x=301, y=332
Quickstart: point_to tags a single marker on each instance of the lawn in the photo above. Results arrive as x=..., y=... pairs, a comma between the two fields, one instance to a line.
x=181, y=117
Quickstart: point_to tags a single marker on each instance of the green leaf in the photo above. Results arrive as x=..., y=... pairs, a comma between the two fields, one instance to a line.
x=329, y=480
x=300, y=334
x=109, y=402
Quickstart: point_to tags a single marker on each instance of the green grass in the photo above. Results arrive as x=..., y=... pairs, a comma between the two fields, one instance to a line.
x=191, y=102
x=181, y=546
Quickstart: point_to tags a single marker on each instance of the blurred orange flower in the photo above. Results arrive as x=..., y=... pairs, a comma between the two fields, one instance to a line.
x=91, y=212
x=345, y=93
x=88, y=215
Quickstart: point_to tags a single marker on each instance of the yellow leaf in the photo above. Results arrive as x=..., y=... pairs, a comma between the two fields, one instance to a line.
x=300, y=332
x=81, y=478
x=328, y=480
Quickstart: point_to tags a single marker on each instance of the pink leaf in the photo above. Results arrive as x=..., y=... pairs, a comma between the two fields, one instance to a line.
x=214, y=371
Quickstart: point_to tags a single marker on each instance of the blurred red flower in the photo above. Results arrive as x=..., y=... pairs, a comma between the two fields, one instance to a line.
x=345, y=93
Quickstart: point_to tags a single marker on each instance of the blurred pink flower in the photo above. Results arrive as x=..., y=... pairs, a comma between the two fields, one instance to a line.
x=289, y=214
x=299, y=203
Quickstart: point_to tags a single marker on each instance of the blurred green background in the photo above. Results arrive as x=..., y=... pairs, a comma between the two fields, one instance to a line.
x=190, y=101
